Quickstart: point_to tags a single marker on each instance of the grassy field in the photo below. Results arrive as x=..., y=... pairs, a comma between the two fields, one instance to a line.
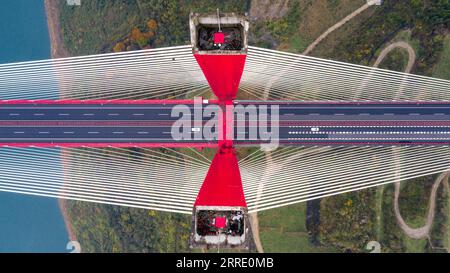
x=447, y=221
x=379, y=213
x=442, y=69
x=284, y=230
x=414, y=245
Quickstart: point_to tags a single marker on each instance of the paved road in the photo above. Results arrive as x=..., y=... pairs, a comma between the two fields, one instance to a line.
x=299, y=123
x=89, y=123
x=360, y=124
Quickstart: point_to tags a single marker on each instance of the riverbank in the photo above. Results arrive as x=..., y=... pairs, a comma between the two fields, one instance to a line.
x=58, y=51
x=54, y=29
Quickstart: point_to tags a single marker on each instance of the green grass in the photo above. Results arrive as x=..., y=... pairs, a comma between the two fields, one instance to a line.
x=395, y=60
x=414, y=245
x=285, y=219
x=442, y=69
x=447, y=220
x=297, y=43
x=291, y=242
x=379, y=213
x=284, y=230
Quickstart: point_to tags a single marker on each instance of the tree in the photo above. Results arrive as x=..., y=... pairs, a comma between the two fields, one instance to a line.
x=138, y=37
x=120, y=46
x=152, y=25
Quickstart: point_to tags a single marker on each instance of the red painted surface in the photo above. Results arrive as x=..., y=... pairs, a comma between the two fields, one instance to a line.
x=223, y=184
x=170, y=102
x=353, y=102
x=220, y=222
x=219, y=38
x=223, y=73
x=362, y=143
x=79, y=123
x=112, y=144
x=226, y=127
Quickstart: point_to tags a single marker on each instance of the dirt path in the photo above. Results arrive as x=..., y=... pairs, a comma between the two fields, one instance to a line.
x=401, y=44
x=254, y=223
x=424, y=231
x=334, y=27
x=342, y=22
x=409, y=65
x=383, y=54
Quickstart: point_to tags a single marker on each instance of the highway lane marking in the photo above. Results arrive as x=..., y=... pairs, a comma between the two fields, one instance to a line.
x=95, y=107
x=19, y=132
x=368, y=138
x=43, y=132
x=337, y=106
x=138, y=114
x=366, y=126
x=68, y=132
x=92, y=132
x=142, y=132
x=367, y=132
x=38, y=114
x=103, y=138
x=117, y=132
x=88, y=114
x=14, y=114
x=63, y=114
x=113, y=114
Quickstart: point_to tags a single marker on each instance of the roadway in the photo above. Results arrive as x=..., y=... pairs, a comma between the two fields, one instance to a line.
x=89, y=123
x=299, y=124
x=340, y=123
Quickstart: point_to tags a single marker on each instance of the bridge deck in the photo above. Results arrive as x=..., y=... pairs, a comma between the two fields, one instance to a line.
x=150, y=124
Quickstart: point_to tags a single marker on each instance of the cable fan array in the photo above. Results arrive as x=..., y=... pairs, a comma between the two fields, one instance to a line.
x=169, y=179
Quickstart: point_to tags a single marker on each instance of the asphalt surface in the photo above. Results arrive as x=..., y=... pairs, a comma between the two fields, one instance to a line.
x=86, y=123
x=298, y=123
x=357, y=124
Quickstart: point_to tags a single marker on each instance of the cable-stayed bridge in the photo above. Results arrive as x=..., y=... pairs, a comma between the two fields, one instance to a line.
x=151, y=75
x=86, y=128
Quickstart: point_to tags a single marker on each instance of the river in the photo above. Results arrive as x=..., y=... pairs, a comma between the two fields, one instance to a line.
x=28, y=223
